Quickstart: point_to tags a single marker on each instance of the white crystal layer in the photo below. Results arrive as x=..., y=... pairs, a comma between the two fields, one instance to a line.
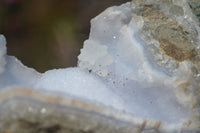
x=16, y=74
x=76, y=82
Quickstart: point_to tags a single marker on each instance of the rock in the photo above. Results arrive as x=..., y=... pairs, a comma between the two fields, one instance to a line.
x=139, y=72
x=155, y=45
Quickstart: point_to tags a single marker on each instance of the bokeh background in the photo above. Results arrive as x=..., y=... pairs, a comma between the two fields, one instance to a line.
x=47, y=34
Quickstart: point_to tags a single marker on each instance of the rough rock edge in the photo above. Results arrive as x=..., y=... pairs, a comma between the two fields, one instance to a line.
x=136, y=125
x=2, y=53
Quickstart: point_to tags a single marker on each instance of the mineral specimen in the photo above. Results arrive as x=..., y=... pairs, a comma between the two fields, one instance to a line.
x=139, y=71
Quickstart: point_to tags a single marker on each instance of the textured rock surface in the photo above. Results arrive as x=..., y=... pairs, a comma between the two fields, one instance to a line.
x=139, y=71
x=154, y=45
x=33, y=112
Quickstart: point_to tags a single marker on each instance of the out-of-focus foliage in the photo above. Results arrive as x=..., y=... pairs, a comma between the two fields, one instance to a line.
x=48, y=34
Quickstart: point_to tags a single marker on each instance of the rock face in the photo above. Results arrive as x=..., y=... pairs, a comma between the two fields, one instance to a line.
x=154, y=45
x=139, y=71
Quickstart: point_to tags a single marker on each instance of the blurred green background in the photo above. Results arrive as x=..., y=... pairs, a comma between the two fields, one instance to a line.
x=47, y=34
